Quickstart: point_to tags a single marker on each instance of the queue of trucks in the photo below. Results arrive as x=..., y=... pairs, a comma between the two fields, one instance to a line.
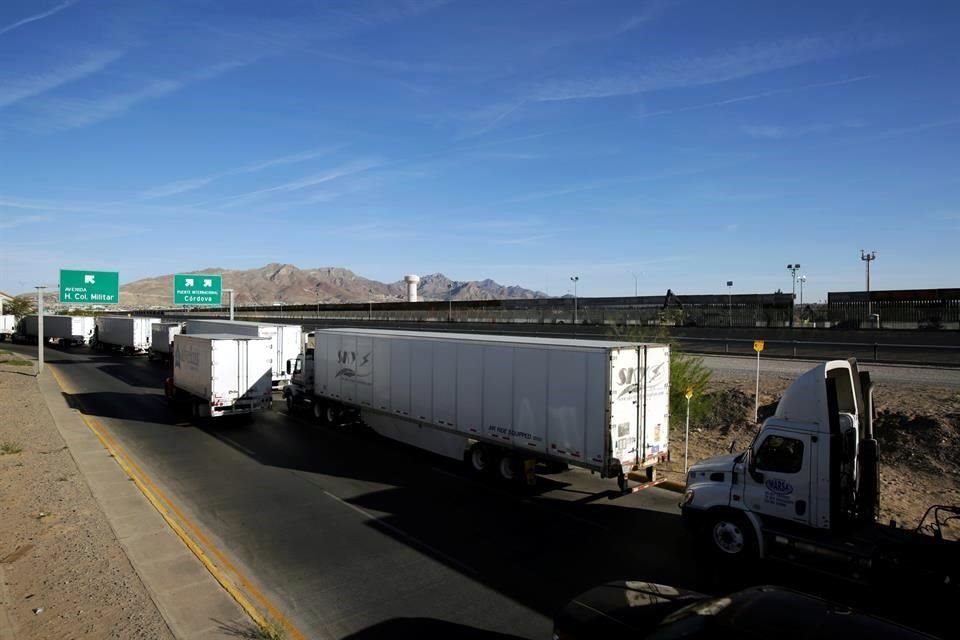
x=806, y=491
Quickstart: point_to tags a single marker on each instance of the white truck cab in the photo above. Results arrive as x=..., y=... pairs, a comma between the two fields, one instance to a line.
x=803, y=471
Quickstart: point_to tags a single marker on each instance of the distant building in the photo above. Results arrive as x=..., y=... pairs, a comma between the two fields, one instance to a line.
x=6, y=297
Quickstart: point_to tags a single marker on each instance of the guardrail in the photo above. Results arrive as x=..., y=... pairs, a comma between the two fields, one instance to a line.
x=879, y=352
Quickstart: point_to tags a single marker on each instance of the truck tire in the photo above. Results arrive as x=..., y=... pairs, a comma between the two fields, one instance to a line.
x=317, y=411
x=730, y=538
x=291, y=405
x=479, y=458
x=508, y=468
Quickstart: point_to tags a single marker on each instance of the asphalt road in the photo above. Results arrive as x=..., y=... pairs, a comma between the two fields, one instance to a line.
x=354, y=536
x=885, y=373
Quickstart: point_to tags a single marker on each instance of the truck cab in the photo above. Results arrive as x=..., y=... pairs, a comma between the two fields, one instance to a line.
x=299, y=391
x=811, y=471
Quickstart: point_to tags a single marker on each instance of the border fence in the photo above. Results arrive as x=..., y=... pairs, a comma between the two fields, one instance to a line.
x=897, y=309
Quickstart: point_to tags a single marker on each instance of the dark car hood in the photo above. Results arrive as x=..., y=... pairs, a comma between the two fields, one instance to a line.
x=618, y=607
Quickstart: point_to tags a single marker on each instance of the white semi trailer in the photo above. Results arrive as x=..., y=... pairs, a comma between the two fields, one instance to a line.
x=220, y=374
x=285, y=339
x=496, y=402
x=161, y=340
x=65, y=330
x=8, y=324
x=127, y=333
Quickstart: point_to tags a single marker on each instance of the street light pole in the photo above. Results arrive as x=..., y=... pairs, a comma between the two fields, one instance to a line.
x=868, y=258
x=575, y=280
x=636, y=285
x=730, y=303
x=40, y=289
x=793, y=268
x=802, y=279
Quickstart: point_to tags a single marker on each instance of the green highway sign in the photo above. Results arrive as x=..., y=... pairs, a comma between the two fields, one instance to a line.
x=197, y=288
x=89, y=287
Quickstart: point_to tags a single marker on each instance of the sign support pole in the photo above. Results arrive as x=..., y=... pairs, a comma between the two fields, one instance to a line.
x=686, y=433
x=230, y=291
x=758, y=347
x=40, y=329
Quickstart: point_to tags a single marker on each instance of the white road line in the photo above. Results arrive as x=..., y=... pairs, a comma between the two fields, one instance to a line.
x=403, y=534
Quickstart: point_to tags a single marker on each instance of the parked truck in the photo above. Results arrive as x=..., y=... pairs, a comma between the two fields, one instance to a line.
x=499, y=403
x=8, y=324
x=807, y=492
x=124, y=333
x=161, y=340
x=64, y=330
x=220, y=374
x=285, y=339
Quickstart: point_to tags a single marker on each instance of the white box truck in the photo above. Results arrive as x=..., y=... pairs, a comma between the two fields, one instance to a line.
x=161, y=340
x=127, y=333
x=65, y=330
x=8, y=324
x=220, y=374
x=285, y=339
x=496, y=402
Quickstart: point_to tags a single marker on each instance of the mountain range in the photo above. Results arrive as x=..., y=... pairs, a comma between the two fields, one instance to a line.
x=287, y=284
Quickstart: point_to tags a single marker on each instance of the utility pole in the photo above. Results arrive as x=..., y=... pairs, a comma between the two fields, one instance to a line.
x=793, y=268
x=636, y=285
x=802, y=279
x=575, y=280
x=40, y=289
x=868, y=258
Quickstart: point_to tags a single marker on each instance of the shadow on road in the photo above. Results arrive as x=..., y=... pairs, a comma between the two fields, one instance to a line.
x=425, y=628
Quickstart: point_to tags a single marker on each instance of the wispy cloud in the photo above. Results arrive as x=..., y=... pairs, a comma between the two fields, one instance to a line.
x=507, y=155
x=649, y=12
x=672, y=73
x=523, y=239
x=916, y=128
x=76, y=113
x=191, y=184
x=18, y=222
x=342, y=171
x=16, y=90
x=780, y=132
x=39, y=16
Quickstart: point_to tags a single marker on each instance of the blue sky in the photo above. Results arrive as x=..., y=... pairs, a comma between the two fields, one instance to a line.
x=684, y=143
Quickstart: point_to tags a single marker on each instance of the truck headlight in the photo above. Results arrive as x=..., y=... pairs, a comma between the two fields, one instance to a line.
x=687, y=498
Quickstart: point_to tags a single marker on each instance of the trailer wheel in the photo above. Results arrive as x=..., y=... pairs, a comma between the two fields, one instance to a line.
x=730, y=538
x=507, y=468
x=479, y=458
x=317, y=411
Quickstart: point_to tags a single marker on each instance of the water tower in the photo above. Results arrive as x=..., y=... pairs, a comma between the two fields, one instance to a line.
x=411, y=281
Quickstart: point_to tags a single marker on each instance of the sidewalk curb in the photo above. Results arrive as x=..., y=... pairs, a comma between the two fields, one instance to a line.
x=190, y=600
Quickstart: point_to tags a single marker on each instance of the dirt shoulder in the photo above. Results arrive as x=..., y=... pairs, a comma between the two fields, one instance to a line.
x=65, y=575
x=918, y=428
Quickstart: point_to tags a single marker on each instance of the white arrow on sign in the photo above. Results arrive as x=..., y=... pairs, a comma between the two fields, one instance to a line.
x=188, y=282
x=207, y=282
x=89, y=279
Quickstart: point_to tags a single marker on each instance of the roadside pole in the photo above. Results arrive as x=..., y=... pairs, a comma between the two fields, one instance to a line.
x=686, y=432
x=758, y=347
x=40, y=328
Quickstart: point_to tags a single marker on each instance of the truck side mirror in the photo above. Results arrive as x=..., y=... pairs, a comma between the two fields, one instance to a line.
x=289, y=367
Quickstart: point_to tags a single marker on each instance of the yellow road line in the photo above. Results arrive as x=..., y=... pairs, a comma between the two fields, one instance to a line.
x=164, y=505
